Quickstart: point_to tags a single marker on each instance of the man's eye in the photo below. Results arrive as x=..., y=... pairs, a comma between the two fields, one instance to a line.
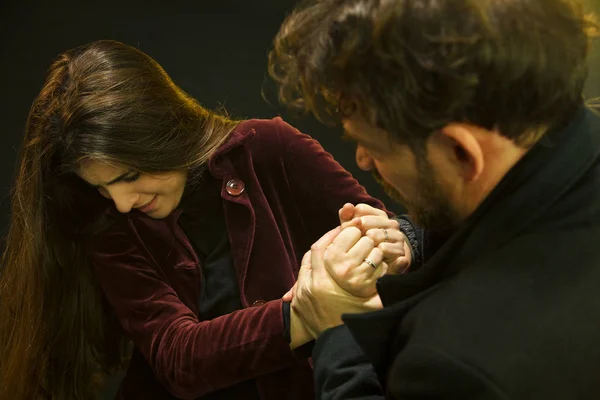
x=132, y=178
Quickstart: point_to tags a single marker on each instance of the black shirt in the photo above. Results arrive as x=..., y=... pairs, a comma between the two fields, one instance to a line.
x=203, y=222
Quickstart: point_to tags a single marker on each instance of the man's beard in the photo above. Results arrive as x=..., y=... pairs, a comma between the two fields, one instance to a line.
x=429, y=207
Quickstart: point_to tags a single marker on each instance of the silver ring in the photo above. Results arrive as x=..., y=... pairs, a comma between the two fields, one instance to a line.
x=387, y=237
x=371, y=263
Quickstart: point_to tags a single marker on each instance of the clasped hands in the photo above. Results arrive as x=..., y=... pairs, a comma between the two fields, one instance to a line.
x=339, y=273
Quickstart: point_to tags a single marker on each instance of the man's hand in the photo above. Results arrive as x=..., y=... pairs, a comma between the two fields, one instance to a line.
x=317, y=298
x=392, y=256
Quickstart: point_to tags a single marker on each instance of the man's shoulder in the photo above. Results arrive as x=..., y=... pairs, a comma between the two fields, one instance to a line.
x=534, y=272
x=518, y=316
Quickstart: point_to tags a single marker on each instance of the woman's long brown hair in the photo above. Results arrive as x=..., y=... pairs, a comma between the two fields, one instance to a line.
x=104, y=101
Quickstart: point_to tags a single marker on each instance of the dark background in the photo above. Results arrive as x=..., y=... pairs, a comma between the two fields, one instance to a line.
x=215, y=50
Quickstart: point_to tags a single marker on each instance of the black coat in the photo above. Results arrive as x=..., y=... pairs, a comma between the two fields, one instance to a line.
x=507, y=308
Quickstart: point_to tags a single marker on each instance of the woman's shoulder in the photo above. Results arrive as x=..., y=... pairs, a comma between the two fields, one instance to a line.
x=268, y=125
x=271, y=142
x=276, y=136
x=274, y=130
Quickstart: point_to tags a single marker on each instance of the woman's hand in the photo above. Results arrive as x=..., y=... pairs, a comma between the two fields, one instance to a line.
x=354, y=262
x=383, y=249
x=385, y=233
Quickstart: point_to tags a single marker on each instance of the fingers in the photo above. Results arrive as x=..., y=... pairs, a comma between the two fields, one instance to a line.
x=363, y=247
x=399, y=266
x=362, y=283
x=350, y=212
x=346, y=252
x=345, y=240
x=355, y=222
x=376, y=258
x=385, y=235
x=391, y=251
x=361, y=210
x=368, y=267
x=346, y=213
x=372, y=222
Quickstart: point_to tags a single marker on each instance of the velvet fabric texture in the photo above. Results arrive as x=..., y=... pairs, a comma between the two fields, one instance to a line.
x=150, y=275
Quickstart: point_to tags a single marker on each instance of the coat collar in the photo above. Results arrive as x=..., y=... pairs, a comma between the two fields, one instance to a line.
x=241, y=136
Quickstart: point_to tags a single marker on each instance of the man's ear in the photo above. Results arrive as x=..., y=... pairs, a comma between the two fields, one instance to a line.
x=464, y=150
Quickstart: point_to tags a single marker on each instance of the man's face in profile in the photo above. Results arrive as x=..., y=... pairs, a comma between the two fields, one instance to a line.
x=410, y=181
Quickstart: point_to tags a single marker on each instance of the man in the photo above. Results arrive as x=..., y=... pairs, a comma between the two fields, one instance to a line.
x=470, y=113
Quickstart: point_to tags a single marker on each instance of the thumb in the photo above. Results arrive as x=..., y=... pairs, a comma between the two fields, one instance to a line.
x=357, y=222
x=346, y=213
x=289, y=296
x=304, y=265
x=305, y=258
x=321, y=244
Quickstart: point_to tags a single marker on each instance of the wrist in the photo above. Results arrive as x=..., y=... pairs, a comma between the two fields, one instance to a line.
x=408, y=250
x=299, y=335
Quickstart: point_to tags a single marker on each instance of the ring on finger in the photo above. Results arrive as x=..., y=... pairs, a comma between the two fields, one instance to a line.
x=371, y=263
x=385, y=232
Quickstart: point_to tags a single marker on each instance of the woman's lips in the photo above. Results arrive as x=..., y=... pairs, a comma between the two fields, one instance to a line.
x=149, y=207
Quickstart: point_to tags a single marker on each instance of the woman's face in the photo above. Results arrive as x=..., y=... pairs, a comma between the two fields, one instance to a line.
x=156, y=195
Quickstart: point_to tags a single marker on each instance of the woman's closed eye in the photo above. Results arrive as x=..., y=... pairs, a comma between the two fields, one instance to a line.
x=132, y=178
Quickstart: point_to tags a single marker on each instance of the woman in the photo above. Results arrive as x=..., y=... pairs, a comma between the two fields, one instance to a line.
x=197, y=235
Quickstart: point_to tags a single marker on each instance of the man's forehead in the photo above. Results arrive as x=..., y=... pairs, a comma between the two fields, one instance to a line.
x=360, y=130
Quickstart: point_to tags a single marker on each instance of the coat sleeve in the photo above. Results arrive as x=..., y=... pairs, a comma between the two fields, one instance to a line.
x=320, y=182
x=342, y=372
x=189, y=357
x=421, y=372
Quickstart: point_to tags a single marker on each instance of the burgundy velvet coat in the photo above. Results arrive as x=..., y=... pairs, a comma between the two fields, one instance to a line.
x=150, y=273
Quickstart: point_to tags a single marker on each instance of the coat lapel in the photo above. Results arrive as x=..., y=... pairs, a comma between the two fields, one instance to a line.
x=233, y=161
